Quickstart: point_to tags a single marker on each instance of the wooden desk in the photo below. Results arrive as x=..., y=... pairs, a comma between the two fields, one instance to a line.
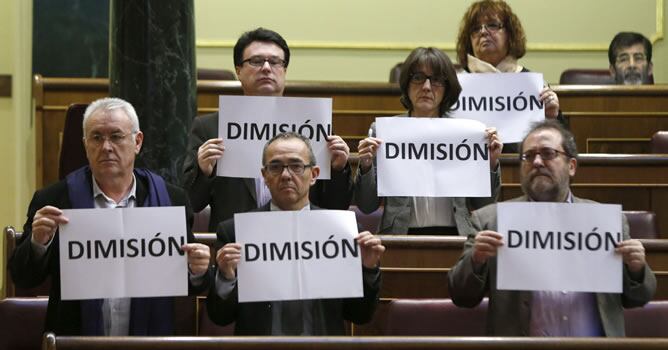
x=614, y=118
x=52, y=342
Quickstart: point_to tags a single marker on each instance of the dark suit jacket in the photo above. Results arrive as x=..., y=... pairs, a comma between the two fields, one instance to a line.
x=230, y=195
x=64, y=316
x=509, y=312
x=256, y=318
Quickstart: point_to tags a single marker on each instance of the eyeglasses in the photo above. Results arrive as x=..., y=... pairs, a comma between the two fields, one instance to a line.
x=490, y=27
x=116, y=138
x=276, y=169
x=625, y=58
x=419, y=78
x=258, y=61
x=546, y=153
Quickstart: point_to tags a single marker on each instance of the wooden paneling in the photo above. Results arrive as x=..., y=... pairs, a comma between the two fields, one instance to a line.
x=603, y=118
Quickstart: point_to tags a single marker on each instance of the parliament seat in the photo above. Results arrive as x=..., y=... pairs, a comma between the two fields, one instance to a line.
x=648, y=321
x=368, y=222
x=659, y=142
x=11, y=238
x=642, y=224
x=434, y=317
x=201, y=220
x=215, y=74
x=22, y=321
x=206, y=327
x=72, y=152
x=576, y=76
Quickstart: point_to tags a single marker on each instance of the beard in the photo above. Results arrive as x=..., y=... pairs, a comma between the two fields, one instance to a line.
x=541, y=186
x=631, y=76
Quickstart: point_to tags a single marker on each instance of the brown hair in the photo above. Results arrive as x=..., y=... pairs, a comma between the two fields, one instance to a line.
x=440, y=65
x=487, y=8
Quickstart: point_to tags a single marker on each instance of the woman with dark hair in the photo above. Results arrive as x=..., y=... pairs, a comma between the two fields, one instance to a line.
x=491, y=39
x=429, y=88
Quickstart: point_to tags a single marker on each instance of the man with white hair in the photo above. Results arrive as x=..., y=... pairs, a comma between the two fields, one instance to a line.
x=112, y=140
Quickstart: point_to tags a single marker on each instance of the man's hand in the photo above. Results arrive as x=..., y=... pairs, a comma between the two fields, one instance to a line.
x=633, y=254
x=372, y=249
x=198, y=257
x=228, y=258
x=208, y=154
x=45, y=223
x=495, y=146
x=339, y=150
x=485, y=246
x=366, y=149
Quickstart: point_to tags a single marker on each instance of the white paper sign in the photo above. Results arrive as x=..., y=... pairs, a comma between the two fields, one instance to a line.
x=118, y=253
x=432, y=157
x=246, y=123
x=285, y=255
x=578, y=255
x=510, y=102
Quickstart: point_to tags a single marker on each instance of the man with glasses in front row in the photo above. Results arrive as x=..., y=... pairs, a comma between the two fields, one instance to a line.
x=112, y=140
x=261, y=59
x=630, y=56
x=548, y=161
x=289, y=169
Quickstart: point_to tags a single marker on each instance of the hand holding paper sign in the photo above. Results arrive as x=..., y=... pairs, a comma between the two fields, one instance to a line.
x=485, y=246
x=550, y=102
x=633, y=255
x=339, y=150
x=372, y=249
x=46, y=222
x=208, y=154
x=198, y=257
x=366, y=149
x=227, y=259
x=495, y=146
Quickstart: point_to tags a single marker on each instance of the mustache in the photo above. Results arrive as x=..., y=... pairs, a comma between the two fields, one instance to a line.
x=540, y=172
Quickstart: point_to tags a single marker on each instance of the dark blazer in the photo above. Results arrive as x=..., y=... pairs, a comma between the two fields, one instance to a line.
x=230, y=195
x=509, y=312
x=64, y=316
x=256, y=318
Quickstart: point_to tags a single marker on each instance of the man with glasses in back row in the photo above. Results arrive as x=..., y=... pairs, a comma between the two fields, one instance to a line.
x=261, y=59
x=630, y=56
x=548, y=161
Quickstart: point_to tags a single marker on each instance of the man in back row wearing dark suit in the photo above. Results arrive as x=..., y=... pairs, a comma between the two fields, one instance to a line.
x=112, y=140
x=289, y=170
x=261, y=59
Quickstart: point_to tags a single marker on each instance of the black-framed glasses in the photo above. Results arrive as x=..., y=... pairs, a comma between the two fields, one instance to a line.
x=296, y=168
x=491, y=28
x=419, y=78
x=258, y=61
x=546, y=153
x=115, y=138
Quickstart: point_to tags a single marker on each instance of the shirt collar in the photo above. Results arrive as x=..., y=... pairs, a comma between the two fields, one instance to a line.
x=274, y=207
x=97, y=191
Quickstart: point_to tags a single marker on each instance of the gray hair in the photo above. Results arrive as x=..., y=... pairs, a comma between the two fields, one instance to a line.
x=286, y=136
x=109, y=104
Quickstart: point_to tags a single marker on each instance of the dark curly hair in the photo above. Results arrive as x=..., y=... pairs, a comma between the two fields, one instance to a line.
x=440, y=65
x=488, y=8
